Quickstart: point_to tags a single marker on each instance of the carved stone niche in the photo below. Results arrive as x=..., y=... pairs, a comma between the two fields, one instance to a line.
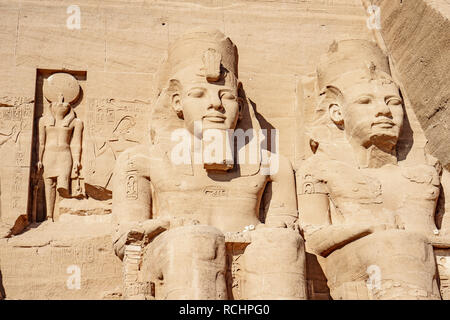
x=57, y=166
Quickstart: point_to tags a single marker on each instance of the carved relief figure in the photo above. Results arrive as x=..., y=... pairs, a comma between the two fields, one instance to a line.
x=121, y=139
x=181, y=215
x=3, y=139
x=365, y=214
x=60, y=138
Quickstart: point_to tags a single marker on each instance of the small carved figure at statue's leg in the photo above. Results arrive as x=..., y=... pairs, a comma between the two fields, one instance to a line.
x=50, y=196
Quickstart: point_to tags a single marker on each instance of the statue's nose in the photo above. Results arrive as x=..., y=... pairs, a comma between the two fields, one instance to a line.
x=382, y=109
x=215, y=103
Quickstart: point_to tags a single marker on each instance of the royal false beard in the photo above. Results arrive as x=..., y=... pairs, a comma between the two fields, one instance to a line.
x=217, y=150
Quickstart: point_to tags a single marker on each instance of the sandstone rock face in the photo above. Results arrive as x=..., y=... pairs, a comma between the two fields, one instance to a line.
x=416, y=36
x=69, y=259
x=213, y=149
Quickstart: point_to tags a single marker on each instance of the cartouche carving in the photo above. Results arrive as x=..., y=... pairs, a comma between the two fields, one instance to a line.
x=183, y=214
x=60, y=138
x=367, y=216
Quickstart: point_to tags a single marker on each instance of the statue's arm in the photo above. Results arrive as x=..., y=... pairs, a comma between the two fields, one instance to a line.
x=42, y=138
x=132, y=200
x=327, y=238
x=321, y=235
x=76, y=143
x=282, y=211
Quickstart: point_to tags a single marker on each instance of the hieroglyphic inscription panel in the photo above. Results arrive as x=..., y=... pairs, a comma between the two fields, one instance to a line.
x=16, y=125
x=112, y=126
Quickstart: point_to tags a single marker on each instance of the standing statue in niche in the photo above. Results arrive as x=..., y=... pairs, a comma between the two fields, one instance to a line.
x=366, y=215
x=178, y=216
x=60, y=138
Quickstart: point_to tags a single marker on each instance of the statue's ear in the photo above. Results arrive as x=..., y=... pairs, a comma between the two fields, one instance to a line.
x=335, y=112
x=335, y=102
x=174, y=91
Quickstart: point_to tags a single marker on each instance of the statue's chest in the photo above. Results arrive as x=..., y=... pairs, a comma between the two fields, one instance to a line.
x=390, y=186
x=59, y=131
x=58, y=135
x=224, y=185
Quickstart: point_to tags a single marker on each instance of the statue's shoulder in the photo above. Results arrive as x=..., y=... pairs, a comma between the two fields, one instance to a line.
x=422, y=174
x=321, y=168
x=311, y=175
x=316, y=165
x=77, y=123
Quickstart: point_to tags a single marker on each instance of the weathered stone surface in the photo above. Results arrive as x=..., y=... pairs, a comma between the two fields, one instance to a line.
x=416, y=36
x=42, y=262
x=116, y=56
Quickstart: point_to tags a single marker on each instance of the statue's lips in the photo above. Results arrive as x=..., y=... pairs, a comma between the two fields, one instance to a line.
x=217, y=118
x=384, y=124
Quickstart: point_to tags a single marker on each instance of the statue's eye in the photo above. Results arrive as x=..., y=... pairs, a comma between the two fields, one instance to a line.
x=228, y=96
x=196, y=93
x=364, y=100
x=394, y=102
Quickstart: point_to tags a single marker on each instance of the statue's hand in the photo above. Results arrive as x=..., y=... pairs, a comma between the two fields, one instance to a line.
x=281, y=222
x=76, y=168
x=39, y=165
x=132, y=234
x=153, y=227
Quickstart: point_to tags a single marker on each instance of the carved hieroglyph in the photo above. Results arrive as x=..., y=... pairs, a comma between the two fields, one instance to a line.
x=365, y=214
x=16, y=123
x=185, y=215
x=60, y=138
x=111, y=127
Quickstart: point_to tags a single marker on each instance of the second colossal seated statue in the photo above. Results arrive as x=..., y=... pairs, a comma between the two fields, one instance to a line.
x=365, y=214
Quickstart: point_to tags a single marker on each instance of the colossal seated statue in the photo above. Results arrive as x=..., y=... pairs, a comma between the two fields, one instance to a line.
x=366, y=215
x=181, y=217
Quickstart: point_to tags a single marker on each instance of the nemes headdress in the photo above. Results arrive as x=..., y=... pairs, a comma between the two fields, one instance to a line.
x=351, y=60
x=346, y=63
x=209, y=48
x=213, y=55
